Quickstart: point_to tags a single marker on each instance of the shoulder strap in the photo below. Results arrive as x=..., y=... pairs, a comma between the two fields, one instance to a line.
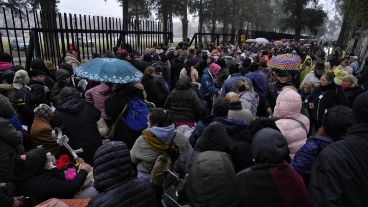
x=301, y=124
x=113, y=127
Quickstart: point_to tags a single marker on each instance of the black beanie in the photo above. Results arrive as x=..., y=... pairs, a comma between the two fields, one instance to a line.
x=360, y=108
x=337, y=120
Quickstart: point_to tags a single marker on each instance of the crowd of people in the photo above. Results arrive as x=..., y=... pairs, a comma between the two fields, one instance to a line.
x=205, y=127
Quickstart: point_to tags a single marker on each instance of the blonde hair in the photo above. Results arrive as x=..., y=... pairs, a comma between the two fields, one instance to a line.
x=352, y=79
x=243, y=85
x=149, y=71
x=232, y=97
x=49, y=64
x=308, y=84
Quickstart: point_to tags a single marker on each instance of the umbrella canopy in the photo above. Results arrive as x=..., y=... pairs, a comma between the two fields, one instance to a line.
x=262, y=40
x=285, y=62
x=250, y=41
x=109, y=70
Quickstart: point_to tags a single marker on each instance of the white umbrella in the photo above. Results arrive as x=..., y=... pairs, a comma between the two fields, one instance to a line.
x=262, y=40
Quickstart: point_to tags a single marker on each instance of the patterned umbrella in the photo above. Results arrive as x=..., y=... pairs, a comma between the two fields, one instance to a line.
x=109, y=70
x=285, y=62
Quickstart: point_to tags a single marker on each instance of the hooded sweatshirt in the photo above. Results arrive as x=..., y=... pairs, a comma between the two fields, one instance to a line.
x=305, y=69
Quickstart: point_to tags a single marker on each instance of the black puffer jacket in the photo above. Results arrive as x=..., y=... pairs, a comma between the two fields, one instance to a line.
x=183, y=102
x=77, y=119
x=115, y=181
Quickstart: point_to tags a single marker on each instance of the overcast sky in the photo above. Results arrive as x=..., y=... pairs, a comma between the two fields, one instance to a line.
x=112, y=8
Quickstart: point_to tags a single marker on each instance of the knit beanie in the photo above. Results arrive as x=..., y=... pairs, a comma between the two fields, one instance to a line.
x=21, y=78
x=360, y=108
x=43, y=111
x=337, y=120
x=214, y=68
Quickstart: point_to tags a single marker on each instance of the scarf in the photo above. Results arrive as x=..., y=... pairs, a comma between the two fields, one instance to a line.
x=155, y=143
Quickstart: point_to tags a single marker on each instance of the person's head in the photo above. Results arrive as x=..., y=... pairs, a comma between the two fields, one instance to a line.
x=63, y=77
x=232, y=97
x=7, y=110
x=269, y=146
x=95, y=55
x=327, y=79
x=39, y=64
x=360, y=108
x=210, y=60
x=282, y=76
x=67, y=67
x=234, y=68
x=49, y=65
x=349, y=81
x=221, y=108
x=158, y=117
x=37, y=75
x=308, y=87
x=149, y=71
x=336, y=121
x=21, y=79
x=73, y=50
x=243, y=85
x=43, y=111
x=66, y=94
x=345, y=61
x=320, y=68
x=37, y=160
x=214, y=138
x=214, y=69
x=308, y=60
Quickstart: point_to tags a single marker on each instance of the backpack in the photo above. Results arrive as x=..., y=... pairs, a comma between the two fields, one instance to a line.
x=136, y=118
x=163, y=163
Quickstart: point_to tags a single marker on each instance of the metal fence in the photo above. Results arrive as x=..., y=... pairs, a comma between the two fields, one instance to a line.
x=29, y=34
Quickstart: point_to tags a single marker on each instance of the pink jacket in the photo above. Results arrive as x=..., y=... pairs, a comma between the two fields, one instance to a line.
x=288, y=107
x=96, y=96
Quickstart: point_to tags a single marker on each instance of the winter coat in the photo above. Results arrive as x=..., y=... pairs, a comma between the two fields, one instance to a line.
x=193, y=74
x=271, y=181
x=114, y=105
x=287, y=110
x=23, y=105
x=259, y=82
x=51, y=184
x=305, y=156
x=207, y=85
x=250, y=100
x=236, y=111
x=183, y=102
x=10, y=141
x=211, y=181
x=275, y=89
x=325, y=97
x=306, y=69
x=230, y=83
x=144, y=156
x=156, y=91
x=339, y=174
x=352, y=93
x=77, y=119
x=115, y=181
x=240, y=151
x=59, y=85
x=39, y=95
x=41, y=134
x=97, y=96
x=70, y=59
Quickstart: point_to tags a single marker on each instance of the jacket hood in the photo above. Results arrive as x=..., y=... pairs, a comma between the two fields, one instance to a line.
x=7, y=110
x=211, y=181
x=111, y=165
x=307, y=58
x=21, y=78
x=60, y=74
x=184, y=83
x=288, y=104
x=69, y=100
x=5, y=66
x=269, y=146
x=229, y=121
x=322, y=141
x=214, y=138
x=360, y=108
x=165, y=134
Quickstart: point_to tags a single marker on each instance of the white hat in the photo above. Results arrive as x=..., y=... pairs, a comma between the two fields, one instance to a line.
x=21, y=79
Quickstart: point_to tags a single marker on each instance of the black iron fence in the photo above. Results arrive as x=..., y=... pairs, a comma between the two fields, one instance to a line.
x=26, y=35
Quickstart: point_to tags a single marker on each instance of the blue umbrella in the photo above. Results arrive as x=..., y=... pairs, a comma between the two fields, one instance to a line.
x=108, y=70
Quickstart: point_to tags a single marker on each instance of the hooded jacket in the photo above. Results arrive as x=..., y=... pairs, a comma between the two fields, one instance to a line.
x=156, y=91
x=344, y=183
x=55, y=90
x=115, y=181
x=97, y=96
x=230, y=83
x=287, y=110
x=143, y=154
x=77, y=119
x=305, y=69
x=183, y=102
x=211, y=181
x=70, y=59
x=207, y=84
x=10, y=141
x=271, y=181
